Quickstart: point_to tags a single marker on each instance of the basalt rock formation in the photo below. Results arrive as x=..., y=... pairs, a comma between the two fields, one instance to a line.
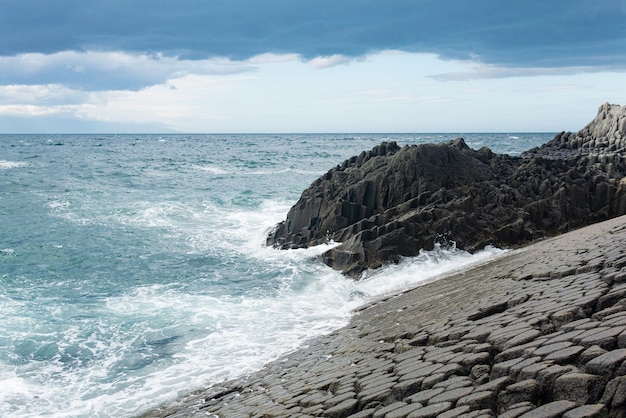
x=394, y=201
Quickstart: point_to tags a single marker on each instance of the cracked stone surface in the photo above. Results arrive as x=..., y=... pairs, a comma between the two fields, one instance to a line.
x=539, y=332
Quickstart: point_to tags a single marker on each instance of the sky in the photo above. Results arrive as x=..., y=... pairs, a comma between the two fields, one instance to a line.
x=280, y=66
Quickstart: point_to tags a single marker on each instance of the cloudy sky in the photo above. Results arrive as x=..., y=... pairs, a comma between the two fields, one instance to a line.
x=309, y=65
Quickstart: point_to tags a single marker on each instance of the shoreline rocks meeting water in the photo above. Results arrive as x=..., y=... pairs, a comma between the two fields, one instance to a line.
x=392, y=202
x=538, y=332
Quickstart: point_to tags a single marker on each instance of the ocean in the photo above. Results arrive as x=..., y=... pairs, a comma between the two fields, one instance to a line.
x=133, y=268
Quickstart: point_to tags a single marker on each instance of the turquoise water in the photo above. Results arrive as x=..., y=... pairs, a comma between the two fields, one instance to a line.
x=133, y=271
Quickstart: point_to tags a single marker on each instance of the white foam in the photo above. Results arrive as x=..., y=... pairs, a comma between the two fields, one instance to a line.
x=422, y=269
x=157, y=342
x=211, y=169
x=5, y=165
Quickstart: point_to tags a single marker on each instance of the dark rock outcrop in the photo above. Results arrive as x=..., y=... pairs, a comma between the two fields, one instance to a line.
x=392, y=202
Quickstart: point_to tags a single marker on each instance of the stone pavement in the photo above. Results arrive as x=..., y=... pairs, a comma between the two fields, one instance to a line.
x=540, y=332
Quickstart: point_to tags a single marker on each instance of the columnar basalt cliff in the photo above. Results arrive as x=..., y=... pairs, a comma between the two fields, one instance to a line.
x=394, y=201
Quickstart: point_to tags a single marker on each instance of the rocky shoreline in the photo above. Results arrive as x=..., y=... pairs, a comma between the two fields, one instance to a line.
x=393, y=201
x=539, y=332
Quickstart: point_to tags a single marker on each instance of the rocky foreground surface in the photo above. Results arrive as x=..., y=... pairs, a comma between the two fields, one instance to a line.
x=539, y=332
x=391, y=201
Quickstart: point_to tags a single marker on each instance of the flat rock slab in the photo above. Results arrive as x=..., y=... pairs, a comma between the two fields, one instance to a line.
x=551, y=410
x=606, y=364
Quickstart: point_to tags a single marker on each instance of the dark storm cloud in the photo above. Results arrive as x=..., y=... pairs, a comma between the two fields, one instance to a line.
x=530, y=32
x=167, y=38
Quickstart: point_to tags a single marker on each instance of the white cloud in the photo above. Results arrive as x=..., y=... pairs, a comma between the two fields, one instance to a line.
x=329, y=61
x=391, y=91
x=480, y=71
x=101, y=71
x=40, y=95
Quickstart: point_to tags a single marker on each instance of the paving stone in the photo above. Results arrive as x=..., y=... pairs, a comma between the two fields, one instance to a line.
x=591, y=353
x=551, y=348
x=564, y=316
x=601, y=315
x=502, y=369
x=480, y=333
x=423, y=396
x=420, y=371
x=478, y=400
x=548, y=376
x=383, y=396
x=550, y=410
x=566, y=355
x=315, y=398
x=581, y=388
x=606, y=364
x=523, y=350
x=480, y=373
x=621, y=340
x=451, y=395
x=521, y=338
x=413, y=354
x=455, y=382
x=451, y=370
x=517, y=368
x=431, y=410
x=495, y=385
x=486, y=347
x=392, y=407
x=531, y=372
x=611, y=390
x=517, y=410
x=588, y=411
x=617, y=318
x=605, y=337
x=619, y=398
x=580, y=324
x=314, y=410
x=403, y=412
x=407, y=387
x=500, y=336
x=432, y=380
x=336, y=399
x=418, y=340
x=342, y=409
x=615, y=295
x=460, y=411
x=366, y=413
x=566, y=336
x=376, y=379
x=524, y=391
x=375, y=386
x=483, y=413
x=473, y=359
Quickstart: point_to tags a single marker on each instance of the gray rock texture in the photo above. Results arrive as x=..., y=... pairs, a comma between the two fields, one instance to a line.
x=394, y=201
x=452, y=348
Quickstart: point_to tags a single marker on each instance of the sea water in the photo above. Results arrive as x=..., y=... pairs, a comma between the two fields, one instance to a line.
x=133, y=268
